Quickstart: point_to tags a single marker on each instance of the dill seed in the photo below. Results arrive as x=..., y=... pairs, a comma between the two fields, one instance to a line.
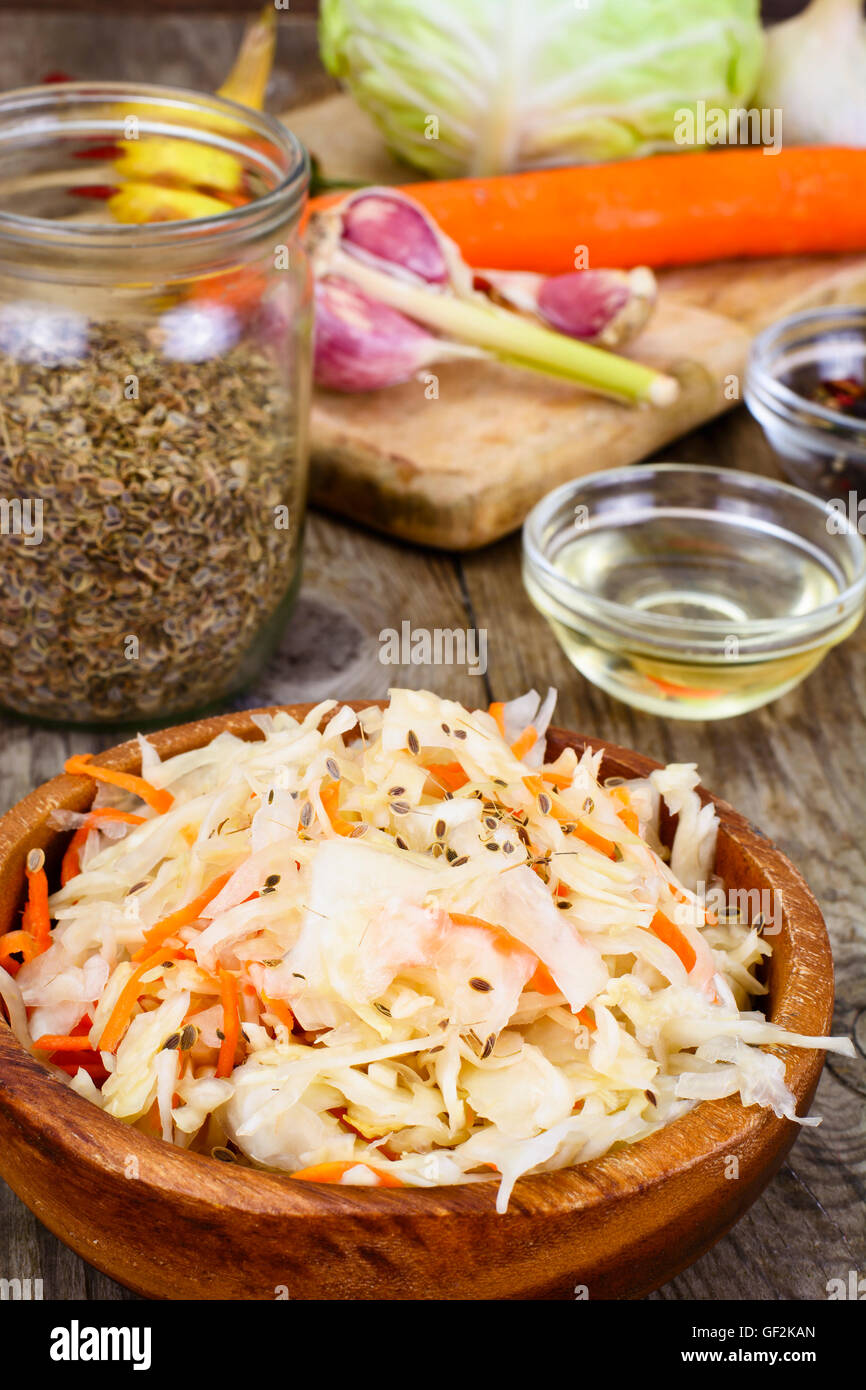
x=168, y=965
x=464, y=859
x=414, y=745
x=137, y=887
x=222, y=1154
x=589, y=805
x=401, y=844
x=306, y=814
x=650, y=1097
x=189, y=1037
x=400, y=808
x=439, y=829
x=483, y=986
x=445, y=729
x=272, y=964
x=171, y=1043
x=357, y=831
x=460, y=733
x=564, y=904
x=450, y=854
x=492, y=844
x=449, y=796
x=150, y=504
x=383, y=1009
x=296, y=976
x=522, y=835
x=569, y=829
x=490, y=822
x=333, y=769
x=508, y=847
x=271, y=797
x=35, y=861
x=437, y=850
x=498, y=782
x=396, y=791
x=440, y=1047
x=544, y=803
x=488, y=1047
x=270, y=883
x=221, y=1035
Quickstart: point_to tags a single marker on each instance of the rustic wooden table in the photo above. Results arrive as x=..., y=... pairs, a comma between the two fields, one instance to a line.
x=797, y=768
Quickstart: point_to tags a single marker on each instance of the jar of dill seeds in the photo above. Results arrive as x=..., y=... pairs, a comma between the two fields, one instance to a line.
x=155, y=323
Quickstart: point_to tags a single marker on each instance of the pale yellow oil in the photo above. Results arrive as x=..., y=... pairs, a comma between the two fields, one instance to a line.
x=697, y=571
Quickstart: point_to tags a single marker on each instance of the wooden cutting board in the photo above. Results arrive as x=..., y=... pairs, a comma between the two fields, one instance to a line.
x=459, y=461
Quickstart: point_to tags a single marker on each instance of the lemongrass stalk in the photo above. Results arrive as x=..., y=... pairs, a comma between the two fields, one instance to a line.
x=511, y=337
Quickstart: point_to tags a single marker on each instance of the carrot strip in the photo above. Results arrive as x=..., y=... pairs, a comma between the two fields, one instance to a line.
x=630, y=819
x=93, y=1065
x=556, y=779
x=64, y=1042
x=38, y=915
x=17, y=943
x=497, y=711
x=669, y=209
x=450, y=775
x=668, y=932
x=596, y=841
x=81, y=766
x=541, y=980
x=231, y=1023
x=280, y=1009
x=330, y=796
x=334, y=1172
x=527, y=740
x=120, y=1016
x=71, y=865
x=583, y=832
x=172, y=924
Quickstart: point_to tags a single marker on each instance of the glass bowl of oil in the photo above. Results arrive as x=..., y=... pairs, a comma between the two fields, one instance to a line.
x=690, y=591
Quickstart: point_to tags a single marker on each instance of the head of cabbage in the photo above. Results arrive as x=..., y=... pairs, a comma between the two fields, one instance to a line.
x=486, y=86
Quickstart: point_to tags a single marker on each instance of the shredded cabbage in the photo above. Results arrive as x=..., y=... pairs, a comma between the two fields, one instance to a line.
x=444, y=961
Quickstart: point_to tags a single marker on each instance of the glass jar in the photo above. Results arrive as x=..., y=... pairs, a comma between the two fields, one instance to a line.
x=154, y=394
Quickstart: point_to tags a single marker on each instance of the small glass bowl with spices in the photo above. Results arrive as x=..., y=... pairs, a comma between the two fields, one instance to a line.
x=155, y=326
x=806, y=387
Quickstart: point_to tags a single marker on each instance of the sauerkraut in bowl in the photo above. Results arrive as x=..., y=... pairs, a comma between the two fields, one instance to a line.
x=393, y=948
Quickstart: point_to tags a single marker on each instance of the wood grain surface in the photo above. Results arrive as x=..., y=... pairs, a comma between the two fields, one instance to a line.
x=796, y=768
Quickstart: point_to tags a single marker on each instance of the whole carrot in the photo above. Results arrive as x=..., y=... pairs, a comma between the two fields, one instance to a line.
x=676, y=209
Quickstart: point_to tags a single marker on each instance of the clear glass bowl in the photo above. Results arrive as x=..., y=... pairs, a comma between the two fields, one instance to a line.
x=693, y=592
x=154, y=390
x=821, y=449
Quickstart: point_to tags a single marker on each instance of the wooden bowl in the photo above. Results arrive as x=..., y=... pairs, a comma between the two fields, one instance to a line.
x=172, y=1224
